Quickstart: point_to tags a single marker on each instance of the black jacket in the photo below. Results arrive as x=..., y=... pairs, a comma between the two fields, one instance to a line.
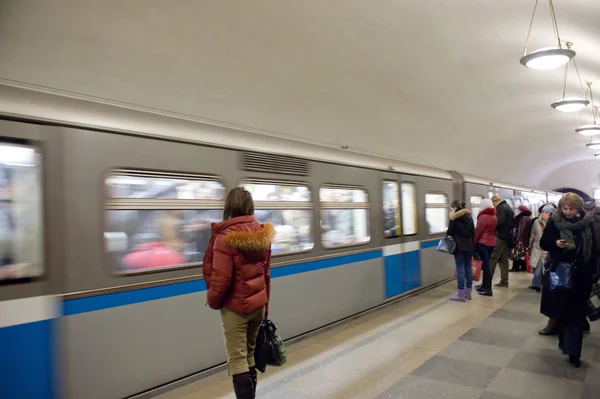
x=567, y=306
x=461, y=228
x=506, y=217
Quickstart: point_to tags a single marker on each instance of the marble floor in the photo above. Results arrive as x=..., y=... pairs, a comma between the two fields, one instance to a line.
x=428, y=347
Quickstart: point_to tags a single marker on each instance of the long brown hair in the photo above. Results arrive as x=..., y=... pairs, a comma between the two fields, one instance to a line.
x=239, y=202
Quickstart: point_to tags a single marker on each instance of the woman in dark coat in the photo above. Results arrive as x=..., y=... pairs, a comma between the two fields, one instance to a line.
x=461, y=228
x=569, y=237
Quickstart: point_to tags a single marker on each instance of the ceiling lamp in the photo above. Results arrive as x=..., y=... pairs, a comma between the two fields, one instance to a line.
x=570, y=104
x=593, y=145
x=547, y=57
x=593, y=128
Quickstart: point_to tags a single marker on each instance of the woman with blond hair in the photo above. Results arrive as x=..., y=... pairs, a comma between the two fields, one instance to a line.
x=570, y=240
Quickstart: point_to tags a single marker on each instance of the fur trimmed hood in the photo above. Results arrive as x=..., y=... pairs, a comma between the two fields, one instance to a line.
x=487, y=211
x=459, y=214
x=251, y=241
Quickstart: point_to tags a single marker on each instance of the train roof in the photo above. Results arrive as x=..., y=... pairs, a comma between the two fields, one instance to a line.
x=53, y=107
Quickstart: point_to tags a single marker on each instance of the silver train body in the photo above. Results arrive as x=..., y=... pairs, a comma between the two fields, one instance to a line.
x=84, y=328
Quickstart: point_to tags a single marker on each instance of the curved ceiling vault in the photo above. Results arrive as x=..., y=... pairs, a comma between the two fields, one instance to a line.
x=432, y=81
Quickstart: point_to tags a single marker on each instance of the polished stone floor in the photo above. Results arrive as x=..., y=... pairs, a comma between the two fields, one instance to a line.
x=428, y=347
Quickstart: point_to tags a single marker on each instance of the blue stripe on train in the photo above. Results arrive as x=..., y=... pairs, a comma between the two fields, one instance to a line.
x=429, y=244
x=26, y=360
x=99, y=302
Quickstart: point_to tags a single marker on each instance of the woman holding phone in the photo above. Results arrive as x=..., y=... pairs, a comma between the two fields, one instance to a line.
x=569, y=238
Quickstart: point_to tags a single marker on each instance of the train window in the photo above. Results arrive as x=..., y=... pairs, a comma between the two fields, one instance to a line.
x=409, y=208
x=157, y=220
x=21, y=227
x=344, y=216
x=391, y=209
x=475, y=202
x=288, y=206
x=436, y=212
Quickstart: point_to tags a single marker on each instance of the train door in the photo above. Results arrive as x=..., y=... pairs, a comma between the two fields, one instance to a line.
x=400, y=246
x=30, y=258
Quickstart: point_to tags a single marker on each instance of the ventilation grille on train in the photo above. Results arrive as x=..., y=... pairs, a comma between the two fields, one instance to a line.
x=280, y=164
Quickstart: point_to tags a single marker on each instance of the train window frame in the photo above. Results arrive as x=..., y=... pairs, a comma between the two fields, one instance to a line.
x=398, y=210
x=445, y=206
x=415, y=216
x=153, y=204
x=471, y=203
x=332, y=205
x=40, y=168
x=299, y=205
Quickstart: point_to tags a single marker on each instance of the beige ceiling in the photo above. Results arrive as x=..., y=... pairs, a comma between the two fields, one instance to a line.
x=432, y=81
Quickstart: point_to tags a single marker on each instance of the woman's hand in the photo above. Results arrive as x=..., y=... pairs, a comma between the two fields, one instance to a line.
x=561, y=243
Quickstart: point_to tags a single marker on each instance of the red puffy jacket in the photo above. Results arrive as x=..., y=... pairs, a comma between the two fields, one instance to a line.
x=485, y=232
x=237, y=264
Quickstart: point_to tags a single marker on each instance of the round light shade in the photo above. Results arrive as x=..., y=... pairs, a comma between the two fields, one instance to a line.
x=594, y=145
x=547, y=58
x=570, y=104
x=588, y=130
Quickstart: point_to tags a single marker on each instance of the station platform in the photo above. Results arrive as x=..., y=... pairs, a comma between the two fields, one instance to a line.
x=426, y=347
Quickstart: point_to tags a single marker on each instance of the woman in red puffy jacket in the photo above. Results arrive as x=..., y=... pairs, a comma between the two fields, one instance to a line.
x=485, y=241
x=236, y=271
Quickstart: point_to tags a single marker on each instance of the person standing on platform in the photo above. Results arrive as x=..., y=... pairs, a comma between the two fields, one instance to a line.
x=504, y=239
x=538, y=255
x=462, y=230
x=485, y=241
x=569, y=238
x=236, y=271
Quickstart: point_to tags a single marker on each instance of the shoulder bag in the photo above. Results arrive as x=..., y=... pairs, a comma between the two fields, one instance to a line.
x=447, y=245
x=561, y=275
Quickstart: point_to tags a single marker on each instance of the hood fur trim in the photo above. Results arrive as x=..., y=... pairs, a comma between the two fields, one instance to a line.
x=461, y=213
x=251, y=241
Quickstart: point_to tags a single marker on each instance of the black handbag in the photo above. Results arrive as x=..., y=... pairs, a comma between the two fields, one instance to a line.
x=447, y=245
x=269, y=347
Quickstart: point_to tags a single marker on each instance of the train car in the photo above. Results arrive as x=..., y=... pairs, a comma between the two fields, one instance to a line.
x=107, y=216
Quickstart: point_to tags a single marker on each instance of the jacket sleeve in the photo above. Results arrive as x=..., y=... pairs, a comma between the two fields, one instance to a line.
x=268, y=284
x=548, y=240
x=500, y=215
x=222, y=273
x=451, y=228
x=481, y=225
x=207, y=263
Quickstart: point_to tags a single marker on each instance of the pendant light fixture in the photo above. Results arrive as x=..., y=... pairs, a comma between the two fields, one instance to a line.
x=593, y=145
x=570, y=104
x=547, y=57
x=593, y=128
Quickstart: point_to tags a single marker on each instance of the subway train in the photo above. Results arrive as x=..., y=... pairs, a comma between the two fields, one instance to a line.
x=105, y=214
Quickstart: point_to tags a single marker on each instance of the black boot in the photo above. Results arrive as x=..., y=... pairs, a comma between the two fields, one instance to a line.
x=242, y=385
x=550, y=328
x=253, y=378
x=479, y=287
x=575, y=361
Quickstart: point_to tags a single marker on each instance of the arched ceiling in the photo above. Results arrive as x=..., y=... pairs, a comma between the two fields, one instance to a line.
x=432, y=81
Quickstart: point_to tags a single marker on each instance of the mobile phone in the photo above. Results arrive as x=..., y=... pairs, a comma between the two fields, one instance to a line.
x=563, y=241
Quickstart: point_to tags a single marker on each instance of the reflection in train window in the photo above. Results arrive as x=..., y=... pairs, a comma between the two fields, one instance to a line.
x=155, y=221
x=391, y=209
x=344, y=216
x=436, y=212
x=288, y=206
x=21, y=228
x=409, y=209
x=475, y=202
